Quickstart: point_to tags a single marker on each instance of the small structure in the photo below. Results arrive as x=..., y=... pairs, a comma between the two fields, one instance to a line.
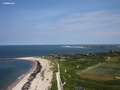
x=87, y=54
x=80, y=88
x=61, y=57
x=114, y=51
x=56, y=56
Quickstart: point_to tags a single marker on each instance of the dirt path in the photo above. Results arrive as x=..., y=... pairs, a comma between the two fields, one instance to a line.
x=59, y=82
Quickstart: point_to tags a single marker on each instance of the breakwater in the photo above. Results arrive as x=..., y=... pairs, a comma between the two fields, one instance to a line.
x=26, y=86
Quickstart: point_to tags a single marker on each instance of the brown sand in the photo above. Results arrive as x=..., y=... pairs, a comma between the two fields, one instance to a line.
x=42, y=80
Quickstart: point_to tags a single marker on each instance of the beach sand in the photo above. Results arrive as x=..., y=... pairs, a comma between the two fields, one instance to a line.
x=43, y=79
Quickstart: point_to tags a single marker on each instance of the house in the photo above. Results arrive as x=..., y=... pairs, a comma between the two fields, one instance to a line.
x=85, y=54
x=61, y=57
x=57, y=56
x=114, y=51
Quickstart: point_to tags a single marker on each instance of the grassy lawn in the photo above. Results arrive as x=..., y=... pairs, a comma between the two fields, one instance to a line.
x=99, y=77
x=112, y=69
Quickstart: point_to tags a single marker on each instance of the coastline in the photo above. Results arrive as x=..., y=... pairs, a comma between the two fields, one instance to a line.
x=22, y=76
x=42, y=81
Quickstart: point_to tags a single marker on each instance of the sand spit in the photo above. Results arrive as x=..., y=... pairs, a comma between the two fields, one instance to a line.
x=42, y=81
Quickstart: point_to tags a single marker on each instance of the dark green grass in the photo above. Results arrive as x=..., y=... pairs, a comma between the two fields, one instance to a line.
x=70, y=64
x=54, y=83
x=75, y=81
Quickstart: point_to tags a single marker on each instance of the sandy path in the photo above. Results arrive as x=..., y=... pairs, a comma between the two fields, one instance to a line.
x=42, y=80
x=59, y=82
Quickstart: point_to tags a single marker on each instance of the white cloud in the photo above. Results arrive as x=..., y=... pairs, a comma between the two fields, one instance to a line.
x=99, y=22
x=88, y=26
x=91, y=20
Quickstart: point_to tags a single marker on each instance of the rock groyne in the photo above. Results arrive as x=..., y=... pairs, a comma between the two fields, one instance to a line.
x=26, y=86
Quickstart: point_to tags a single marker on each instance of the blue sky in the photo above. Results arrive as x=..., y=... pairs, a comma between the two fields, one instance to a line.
x=59, y=22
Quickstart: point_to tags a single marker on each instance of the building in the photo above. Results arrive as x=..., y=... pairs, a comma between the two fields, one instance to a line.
x=80, y=88
x=114, y=51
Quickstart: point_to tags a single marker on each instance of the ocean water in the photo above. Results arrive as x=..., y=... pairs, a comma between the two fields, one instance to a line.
x=10, y=70
x=41, y=50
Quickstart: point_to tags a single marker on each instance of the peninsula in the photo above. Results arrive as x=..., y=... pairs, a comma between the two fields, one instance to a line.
x=93, y=46
x=38, y=78
x=73, y=72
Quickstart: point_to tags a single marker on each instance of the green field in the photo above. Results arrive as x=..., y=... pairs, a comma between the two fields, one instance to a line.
x=93, y=72
x=112, y=69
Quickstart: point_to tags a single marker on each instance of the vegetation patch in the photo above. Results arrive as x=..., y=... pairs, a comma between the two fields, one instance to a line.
x=96, y=76
x=93, y=71
x=102, y=71
x=54, y=68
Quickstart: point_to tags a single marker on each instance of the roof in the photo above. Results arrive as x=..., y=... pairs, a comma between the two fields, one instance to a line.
x=80, y=88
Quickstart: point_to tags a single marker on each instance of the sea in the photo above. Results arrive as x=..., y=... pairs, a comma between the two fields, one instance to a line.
x=11, y=70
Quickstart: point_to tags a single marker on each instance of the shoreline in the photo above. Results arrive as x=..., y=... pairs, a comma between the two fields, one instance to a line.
x=42, y=81
x=22, y=76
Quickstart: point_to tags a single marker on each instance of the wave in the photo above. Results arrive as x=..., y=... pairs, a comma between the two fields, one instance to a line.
x=74, y=46
x=21, y=76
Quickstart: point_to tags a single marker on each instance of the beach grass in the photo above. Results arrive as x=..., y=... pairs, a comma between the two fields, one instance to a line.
x=54, y=68
x=72, y=76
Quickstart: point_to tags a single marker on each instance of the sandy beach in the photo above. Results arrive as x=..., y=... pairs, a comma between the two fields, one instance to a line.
x=42, y=81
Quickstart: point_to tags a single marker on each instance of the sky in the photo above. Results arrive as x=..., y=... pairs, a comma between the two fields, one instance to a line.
x=39, y=22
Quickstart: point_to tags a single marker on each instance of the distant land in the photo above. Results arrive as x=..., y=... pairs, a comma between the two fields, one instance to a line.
x=109, y=46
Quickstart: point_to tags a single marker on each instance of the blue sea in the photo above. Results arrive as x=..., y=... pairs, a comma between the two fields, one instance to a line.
x=10, y=70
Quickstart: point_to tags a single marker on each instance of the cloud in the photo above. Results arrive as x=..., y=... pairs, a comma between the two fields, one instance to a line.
x=85, y=22
x=85, y=27
x=88, y=26
x=88, y=21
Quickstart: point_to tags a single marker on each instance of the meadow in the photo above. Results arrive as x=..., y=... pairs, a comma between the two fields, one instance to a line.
x=104, y=71
x=112, y=69
x=93, y=71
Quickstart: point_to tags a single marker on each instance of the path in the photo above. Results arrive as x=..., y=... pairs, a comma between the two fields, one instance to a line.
x=59, y=82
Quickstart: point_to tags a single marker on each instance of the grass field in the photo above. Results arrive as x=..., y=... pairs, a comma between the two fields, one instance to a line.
x=94, y=72
x=104, y=71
